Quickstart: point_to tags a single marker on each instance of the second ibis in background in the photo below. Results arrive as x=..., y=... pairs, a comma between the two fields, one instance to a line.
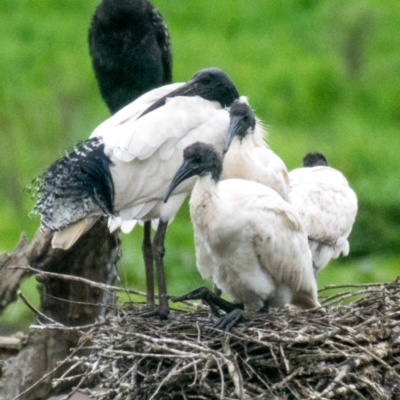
x=130, y=50
x=327, y=205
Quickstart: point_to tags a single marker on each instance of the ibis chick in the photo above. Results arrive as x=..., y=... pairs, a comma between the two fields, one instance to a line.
x=327, y=206
x=247, y=155
x=249, y=241
x=126, y=166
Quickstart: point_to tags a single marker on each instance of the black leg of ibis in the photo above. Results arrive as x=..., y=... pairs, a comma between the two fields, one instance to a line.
x=158, y=253
x=217, y=290
x=214, y=301
x=264, y=309
x=147, y=250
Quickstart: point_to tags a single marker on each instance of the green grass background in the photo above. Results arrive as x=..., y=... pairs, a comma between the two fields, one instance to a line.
x=323, y=75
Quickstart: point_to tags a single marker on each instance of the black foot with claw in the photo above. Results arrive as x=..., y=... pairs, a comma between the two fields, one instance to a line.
x=227, y=322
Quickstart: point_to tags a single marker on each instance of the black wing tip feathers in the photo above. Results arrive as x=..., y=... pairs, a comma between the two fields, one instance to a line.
x=75, y=186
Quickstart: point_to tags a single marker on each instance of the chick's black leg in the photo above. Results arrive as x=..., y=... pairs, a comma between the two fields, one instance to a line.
x=217, y=290
x=212, y=299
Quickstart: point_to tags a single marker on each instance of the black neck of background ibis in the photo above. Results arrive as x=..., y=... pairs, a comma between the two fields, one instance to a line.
x=116, y=14
x=130, y=50
x=314, y=159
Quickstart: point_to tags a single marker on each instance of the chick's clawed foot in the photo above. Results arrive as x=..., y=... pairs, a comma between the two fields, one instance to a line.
x=230, y=320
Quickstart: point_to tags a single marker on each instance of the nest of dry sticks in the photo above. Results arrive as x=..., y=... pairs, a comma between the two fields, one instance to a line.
x=339, y=352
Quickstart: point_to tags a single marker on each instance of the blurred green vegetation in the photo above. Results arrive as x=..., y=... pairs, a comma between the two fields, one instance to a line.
x=322, y=75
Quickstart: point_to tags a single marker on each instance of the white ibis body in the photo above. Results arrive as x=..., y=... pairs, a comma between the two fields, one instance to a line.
x=249, y=240
x=327, y=205
x=126, y=167
x=130, y=49
x=247, y=154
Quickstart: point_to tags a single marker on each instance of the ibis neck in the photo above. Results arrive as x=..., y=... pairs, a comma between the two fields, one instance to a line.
x=241, y=144
x=204, y=191
x=204, y=203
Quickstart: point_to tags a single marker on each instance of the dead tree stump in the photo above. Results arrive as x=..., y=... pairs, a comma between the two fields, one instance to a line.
x=69, y=303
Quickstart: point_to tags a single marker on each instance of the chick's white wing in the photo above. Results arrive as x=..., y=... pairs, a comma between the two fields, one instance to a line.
x=204, y=261
x=327, y=205
x=277, y=234
x=275, y=174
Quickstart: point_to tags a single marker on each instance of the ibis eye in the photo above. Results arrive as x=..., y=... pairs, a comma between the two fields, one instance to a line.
x=197, y=159
x=206, y=80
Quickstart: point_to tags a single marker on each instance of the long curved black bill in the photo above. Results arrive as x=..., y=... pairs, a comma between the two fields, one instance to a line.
x=185, y=171
x=234, y=129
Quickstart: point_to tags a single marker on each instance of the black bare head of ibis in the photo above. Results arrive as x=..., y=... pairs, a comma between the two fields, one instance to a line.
x=314, y=159
x=198, y=159
x=211, y=84
x=242, y=121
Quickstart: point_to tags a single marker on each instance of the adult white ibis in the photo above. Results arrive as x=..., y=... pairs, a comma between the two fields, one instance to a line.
x=249, y=156
x=131, y=54
x=127, y=165
x=327, y=205
x=249, y=240
x=130, y=49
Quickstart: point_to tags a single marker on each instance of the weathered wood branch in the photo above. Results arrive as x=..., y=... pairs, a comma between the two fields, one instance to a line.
x=11, y=278
x=70, y=303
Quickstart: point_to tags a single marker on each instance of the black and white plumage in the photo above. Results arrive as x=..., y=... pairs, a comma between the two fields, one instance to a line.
x=137, y=152
x=130, y=49
x=249, y=240
x=327, y=205
x=77, y=185
x=249, y=157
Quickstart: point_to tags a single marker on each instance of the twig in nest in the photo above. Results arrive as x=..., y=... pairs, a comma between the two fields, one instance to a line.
x=98, y=285
x=36, y=311
x=345, y=352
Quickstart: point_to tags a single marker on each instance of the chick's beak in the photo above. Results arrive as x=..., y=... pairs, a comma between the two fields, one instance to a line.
x=185, y=171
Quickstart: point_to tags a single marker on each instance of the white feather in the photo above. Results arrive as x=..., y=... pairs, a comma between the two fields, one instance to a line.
x=252, y=243
x=146, y=152
x=247, y=160
x=153, y=145
x=250, y=158
x=328, y=207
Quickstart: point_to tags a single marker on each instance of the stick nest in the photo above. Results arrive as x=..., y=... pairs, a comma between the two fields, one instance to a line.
x=338, y=352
